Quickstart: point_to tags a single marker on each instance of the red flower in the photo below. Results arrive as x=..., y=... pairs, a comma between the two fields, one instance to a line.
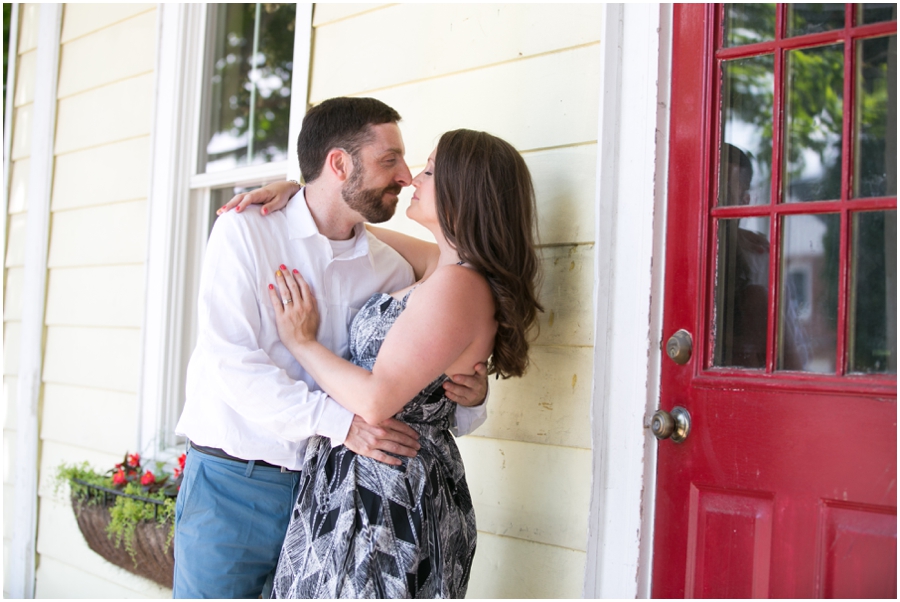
x=181, y=460
x=148, y=478
x=176, y=472
x=119, y=477
x=134, y=460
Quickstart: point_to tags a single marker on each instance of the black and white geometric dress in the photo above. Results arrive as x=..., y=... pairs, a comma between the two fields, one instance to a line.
x=364, y=529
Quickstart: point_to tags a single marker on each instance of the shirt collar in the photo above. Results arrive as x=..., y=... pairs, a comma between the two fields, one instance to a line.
x=302, y=225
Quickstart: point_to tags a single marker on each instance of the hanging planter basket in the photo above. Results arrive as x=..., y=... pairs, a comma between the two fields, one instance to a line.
x=153, y=559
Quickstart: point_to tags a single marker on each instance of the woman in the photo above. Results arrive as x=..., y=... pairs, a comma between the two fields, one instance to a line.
x=361, y=528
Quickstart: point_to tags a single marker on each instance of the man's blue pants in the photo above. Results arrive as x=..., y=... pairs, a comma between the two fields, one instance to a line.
x=230, y=522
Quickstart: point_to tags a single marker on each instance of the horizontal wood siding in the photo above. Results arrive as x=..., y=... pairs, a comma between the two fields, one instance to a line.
x=95, y=280
x=529, y=73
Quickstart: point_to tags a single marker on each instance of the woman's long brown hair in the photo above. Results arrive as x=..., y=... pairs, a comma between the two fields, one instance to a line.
x=486, y=209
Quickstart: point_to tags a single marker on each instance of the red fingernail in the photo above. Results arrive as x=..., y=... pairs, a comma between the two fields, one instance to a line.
x=282, y=267
x=296, y=272
x=271, y=287
x=238, y=208
x=265, y=211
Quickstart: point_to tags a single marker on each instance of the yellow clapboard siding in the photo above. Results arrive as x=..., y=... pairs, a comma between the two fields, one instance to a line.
x=12, y=304
x=539, y=493
x=21, y=138
x=9, y=457
x=118, y=111
x=567, y=296
x=564, y=184
x=328, y=12
x=15, y=242
x=12, y=337
x=110, y=234
x=441, y=39
x=9, y=402
x=119, y=51
x=106, y=358
x=28, y=32
x=549, y=405
x=25, y=78
x=81, y=19
x=542, y=102
x=18, y=185
x=505, y=567
x=93, y=296
x=57, y=578
x=105, y=174
x=54, y=454
x=65, y=406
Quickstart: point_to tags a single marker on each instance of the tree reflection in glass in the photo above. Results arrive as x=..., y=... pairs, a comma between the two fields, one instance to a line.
x=814, y=113
x=749, y=23
x=814, y=18
x=875, y=155
x=248, y=93
x=747, y=100
x=876, y=13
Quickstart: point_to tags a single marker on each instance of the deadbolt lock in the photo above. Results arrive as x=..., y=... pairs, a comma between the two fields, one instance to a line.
x=679, y=347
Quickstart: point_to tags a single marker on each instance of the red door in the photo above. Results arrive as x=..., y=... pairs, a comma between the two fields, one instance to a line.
x=781, y=265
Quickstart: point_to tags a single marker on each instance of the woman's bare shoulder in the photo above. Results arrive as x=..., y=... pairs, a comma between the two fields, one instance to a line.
x=456, y=287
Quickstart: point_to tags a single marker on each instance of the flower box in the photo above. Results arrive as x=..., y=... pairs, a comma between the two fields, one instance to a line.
x=152, y=557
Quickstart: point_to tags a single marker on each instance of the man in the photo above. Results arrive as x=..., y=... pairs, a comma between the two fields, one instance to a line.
x=250, y=406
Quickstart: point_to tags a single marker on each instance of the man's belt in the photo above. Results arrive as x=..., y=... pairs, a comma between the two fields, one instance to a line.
x=221, y=453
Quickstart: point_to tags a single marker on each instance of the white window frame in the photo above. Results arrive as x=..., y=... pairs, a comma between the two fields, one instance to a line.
x=178, y=209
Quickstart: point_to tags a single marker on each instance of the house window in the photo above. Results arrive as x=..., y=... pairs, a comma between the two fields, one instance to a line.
x=234, y=109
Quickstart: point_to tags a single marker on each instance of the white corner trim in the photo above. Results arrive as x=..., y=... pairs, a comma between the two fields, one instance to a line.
x=37, y=234
x=303, y=29
x=8, y=113
x=626, y=295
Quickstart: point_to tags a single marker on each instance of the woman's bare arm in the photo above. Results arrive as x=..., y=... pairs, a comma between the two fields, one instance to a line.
x=418, y=348
x=420, y=254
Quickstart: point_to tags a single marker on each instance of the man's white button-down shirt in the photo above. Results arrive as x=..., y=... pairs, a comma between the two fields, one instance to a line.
x=246, y=394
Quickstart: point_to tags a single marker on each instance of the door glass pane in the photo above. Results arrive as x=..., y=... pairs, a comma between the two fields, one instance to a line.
x=749, y=23
x=876, y=13
x=873, y=290
x=875, y=157
x=248, y=97
x=742, y=293
x=814, y=113
x=814, y=18
x=746, y=152
x=807, y=312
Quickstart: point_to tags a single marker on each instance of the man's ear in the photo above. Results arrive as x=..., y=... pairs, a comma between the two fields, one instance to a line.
x=339, y=163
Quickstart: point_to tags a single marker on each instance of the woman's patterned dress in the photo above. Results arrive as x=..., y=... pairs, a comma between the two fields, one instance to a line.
x=364, y=529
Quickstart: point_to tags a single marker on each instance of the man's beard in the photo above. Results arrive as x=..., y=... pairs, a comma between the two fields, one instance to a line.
x=368, y=203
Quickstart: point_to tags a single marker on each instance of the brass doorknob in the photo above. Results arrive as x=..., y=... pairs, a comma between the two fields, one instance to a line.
x=676, y=425
x=679, y=347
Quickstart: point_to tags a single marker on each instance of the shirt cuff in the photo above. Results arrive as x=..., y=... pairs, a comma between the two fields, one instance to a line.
x=335, y=422
x=467, y=419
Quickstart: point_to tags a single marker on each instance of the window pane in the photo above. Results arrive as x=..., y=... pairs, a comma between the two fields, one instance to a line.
x=814, y=18
x=746, y=152
x=876, y=13
x=814, y=112
x=875, y=157
x=749, y=23
x=873, y=301
x=742, y=293
x=807, y=312
x=248, y=98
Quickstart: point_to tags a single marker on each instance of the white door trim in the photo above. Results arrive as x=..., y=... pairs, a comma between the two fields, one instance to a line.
x=8, y=112
x=23, y=558
x=630, y=235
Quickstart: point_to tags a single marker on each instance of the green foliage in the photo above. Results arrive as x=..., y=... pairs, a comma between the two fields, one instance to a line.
x=127, y=513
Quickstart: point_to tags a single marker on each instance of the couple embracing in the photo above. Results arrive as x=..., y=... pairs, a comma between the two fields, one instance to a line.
x=310, y=475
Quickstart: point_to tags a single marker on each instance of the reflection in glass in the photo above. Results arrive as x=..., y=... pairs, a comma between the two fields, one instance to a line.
x=248, y=96
x=814, y=18
x=746, y=153
x=876, y=13
x=875, y=156
x=814, y=113
x=742, y=293
x=807, y=307
x=873, y=293
x=749, y=23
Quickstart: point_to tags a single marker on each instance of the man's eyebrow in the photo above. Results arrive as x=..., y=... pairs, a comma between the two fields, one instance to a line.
x=396, y=151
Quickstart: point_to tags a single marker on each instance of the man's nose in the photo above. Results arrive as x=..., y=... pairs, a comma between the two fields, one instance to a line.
x=404, y=177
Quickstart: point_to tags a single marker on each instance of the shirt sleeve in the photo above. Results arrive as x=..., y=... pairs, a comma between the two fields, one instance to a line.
x=468, y=419
x=237, y=369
